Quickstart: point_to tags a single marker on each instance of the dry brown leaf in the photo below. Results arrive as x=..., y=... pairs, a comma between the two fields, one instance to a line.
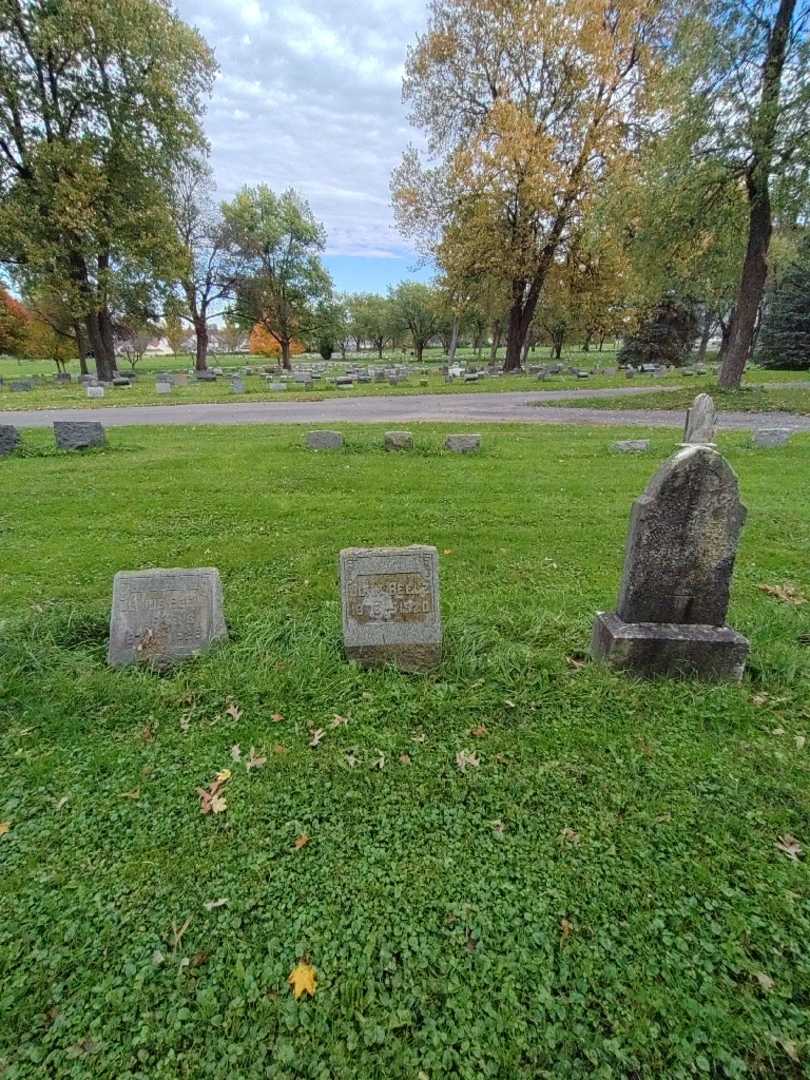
x=279, y=749
x=236, y=752
x=498, y=827
x=405, y=759
x=478, y=732
x=277, y=717
x=134, y=794
x=315, y=736
x=790, y=846
x=211, y=802
x=147, y=734
x=760, y=699
x=303, y=979
x=60, y=803
x=800, y=741
x=338, y=721
x=571, y=835
x=566, y=928
x=185, y=723
x=5, y=826
x=788, y=593
x=301, y=841
x=467, y=759
x=254, y=761
x=352, y=760
x=575, y=663
x=379, y=761
x=765, y=981
x=418, y=737
x=218, y=805
x=233, y=711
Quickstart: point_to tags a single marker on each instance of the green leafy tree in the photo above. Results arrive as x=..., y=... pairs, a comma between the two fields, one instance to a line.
x=665, y=336
x=784, y=340
x=416, y=309
x=371, y=320
x=99, y=101
x=282, y=280
x=331, y=326
x=174, y=330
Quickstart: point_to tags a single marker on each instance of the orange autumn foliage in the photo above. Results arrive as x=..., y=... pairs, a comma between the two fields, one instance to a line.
x=263, y=343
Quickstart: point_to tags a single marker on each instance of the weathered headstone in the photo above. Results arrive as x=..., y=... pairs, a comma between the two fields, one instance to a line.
x=462, y=444
x=206, y=376
x=701, y=420
x=78, y=434
x=63, y=377
x=94, y=391
x=237, y=386
x=181, y=378
x=22, y=386
x=391, y=612
x=631, y=446
x=121, y=381
x=766, y=438
x=324, y=440
x=277, y=387
x=163, y=387
x=9, y=439
x=159, y=616
x=398, y=440
x=680, y=554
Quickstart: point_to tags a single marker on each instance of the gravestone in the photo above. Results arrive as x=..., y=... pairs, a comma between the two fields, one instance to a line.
x=766, y=438
x=391, y=612
x=679, y=559
x=121, y=381
x=277, y=387
x=159, y=616
x=237, y=386
x=163, y=387
x=9, y=439
x=206, y=376
x=94, y=391
x=324, y=440
x=398, y=440
x=78, y=434
x=462, y=444
x=631, y=446
x=701, y=420
x=181, y=378
x=22, y=386
x=63, y=377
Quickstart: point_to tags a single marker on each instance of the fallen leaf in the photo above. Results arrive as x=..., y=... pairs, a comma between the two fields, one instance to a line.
x=447, y=551
x=509, y=704
x=405, y=759
x=575, y=663
x=571, y=835
x=236, y=752
x=800, y=741
x=5, y=826
x=379, y=762
x=211, y=802
x=765, y=981
x=233, y=711
x=760, y=699
x=177, y=934
x=316, y=736
x=566, y=928
x=418, y=737
x=788, y=593
x=467, y=759
x=61, y=802
x=301, y=841
x=212, y=905
x=147, y=734
x=790, y=846
x=478, y=732
x=352, y=760
x=339, y=721
x=778, y=731
x=157, y=958
x=254, y=761
x=223, y=776
x=303, y=979
x=279, y=749
x=218, y=805
x=498, y=827
x=134, y=794
x=198, y=959
x=185, y=723
x=277, y=717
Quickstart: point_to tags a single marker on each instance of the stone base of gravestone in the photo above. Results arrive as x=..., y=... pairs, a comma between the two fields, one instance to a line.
x=398, y=440
x=770, y=437
x=9, y=439
x=162, y=616
x=390, y=603
x=324, y=440
x=715, y=653
x=78, y=435
x=631, y=446
x=462, y=444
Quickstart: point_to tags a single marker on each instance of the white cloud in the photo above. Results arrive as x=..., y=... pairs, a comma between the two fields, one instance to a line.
x=310, y=98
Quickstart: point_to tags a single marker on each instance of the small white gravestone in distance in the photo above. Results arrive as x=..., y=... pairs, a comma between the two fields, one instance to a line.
x=390, y=601
x=701, y=420
x=95, y=391
x=161, y=616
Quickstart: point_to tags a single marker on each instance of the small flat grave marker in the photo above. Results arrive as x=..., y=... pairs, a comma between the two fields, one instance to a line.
x=391, y=612
x=324, y=440
x=462, y=444
x=631, y=446
x=9, y=439
x=398, y=440
x=78, y=434
x=766, y=438
x=161, y=616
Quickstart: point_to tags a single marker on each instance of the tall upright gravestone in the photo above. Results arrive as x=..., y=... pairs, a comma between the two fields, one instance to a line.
x=391, y=613
x=701, y=420
x=671, y=614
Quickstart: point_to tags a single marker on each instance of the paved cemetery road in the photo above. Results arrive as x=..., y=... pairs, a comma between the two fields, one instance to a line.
x=531, y=406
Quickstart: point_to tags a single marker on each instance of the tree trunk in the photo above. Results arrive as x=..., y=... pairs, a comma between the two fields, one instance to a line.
x=81, y=345
x=451, y=352
x=525, y=355
x=558, y=337
x=524, y=305
x=586, y=344
x=497, y=329
x=601, y=342
x=705, y=334
x=285, y=356
x=201, y=347
x=419, y=346
x=380, y=343
x=760, y=225
x=101, y=344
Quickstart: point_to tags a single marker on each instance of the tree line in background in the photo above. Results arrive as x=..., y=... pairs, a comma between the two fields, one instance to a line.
x=594, y=169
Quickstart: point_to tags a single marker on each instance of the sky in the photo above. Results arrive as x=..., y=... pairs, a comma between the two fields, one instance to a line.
x=309, y=96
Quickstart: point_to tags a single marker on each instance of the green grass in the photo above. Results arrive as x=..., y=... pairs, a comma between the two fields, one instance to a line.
x=752, y=398
x=455, y=930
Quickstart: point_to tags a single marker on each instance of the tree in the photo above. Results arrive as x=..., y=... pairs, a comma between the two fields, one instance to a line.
x=665, y=336
x=174, y=331
x=232, y=333
x=98, y=103
x=528, y=106
x=282, y=279
x=330, y=327
x=784, y=341
x=747, y=113
x=263, y=343
x=14, y=320
x=417, y=309
x=370, y=319
x=209, y=268
x=134, y=338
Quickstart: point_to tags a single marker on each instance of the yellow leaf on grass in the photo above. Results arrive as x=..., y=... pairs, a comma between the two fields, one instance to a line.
x=303, y=979
x=5, y=826
x=218, y=805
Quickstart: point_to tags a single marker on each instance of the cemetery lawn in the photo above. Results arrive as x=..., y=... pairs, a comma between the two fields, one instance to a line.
x=752, y=398
x=608, y=886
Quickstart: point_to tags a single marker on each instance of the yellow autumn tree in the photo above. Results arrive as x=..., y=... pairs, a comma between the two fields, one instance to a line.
x=528, y=105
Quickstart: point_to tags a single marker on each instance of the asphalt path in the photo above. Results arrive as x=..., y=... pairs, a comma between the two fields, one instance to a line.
x=524, y=407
